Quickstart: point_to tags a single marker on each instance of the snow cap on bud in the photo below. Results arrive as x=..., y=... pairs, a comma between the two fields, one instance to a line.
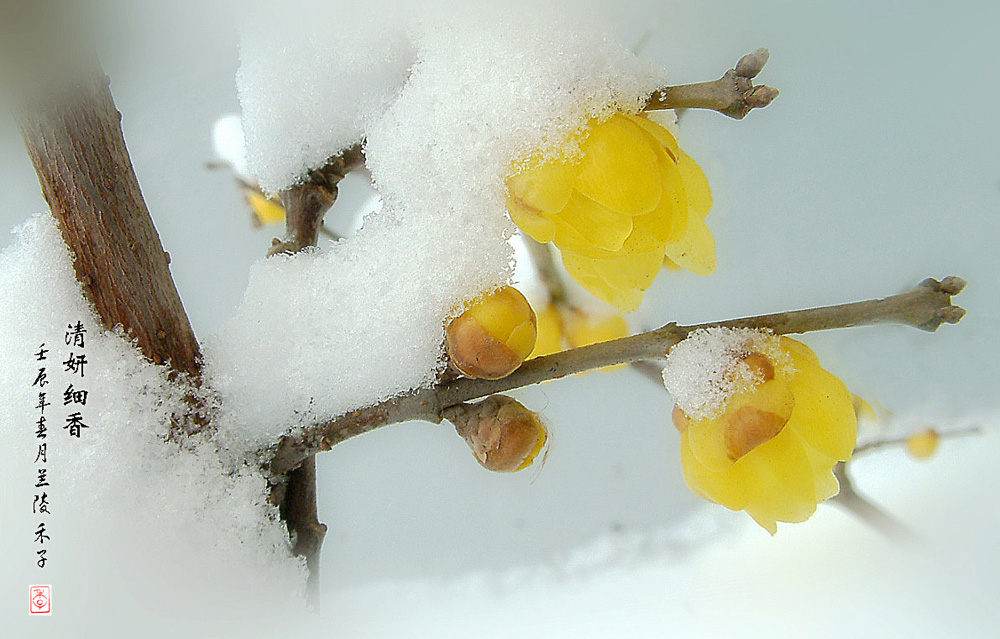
x=504, y=436
x=493, y=336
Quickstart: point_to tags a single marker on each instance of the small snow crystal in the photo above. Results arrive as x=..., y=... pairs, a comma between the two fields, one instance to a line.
x=706, y=369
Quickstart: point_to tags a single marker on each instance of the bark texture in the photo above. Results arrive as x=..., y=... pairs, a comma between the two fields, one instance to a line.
x=75, y=141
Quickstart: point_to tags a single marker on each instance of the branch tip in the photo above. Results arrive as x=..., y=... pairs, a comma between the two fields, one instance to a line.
x=952, y=314
x=760, y=96
x=952, y=285
x=734, y=94
x=752, y=63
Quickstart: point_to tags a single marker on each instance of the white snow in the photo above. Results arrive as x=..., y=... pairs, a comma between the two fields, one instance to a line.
x=312, y=75
x=319, y=334
x=135, y=520
x=703, y=371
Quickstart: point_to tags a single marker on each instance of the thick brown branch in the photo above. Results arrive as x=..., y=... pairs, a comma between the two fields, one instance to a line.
x=306, y=203
x=74, y=138
x=734, y=94
x=926, y=307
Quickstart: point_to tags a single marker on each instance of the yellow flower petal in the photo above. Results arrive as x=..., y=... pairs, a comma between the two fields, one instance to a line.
x=658, y=133
x=727, y=487
x=544, y=188
x=823, y=413
x=598, y=225
x=618, y=168
x=783, y=488
x=585, y=272
x=706, y=438
x=628, y=272
x=583, y=329
x=537, y=225
x=699, y=193
x=695, y=250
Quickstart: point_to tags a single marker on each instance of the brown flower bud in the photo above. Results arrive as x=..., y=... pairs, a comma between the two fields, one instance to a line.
x=504, y=436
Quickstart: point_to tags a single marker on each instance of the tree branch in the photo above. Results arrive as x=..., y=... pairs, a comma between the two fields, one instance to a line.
x=872, y=446
x=926, y=307
x=734, y=94
x=305, y=204
x=72, y=131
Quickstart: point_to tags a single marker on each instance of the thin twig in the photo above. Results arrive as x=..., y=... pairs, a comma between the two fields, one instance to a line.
x=853, y=502
x=305, y=204
x=926, y=307
x=548, y=272
x=295, y=488
x=877, y=444
x=734, y=94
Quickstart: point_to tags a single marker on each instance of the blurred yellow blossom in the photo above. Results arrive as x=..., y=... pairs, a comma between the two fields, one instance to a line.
x=550, y=332
x=629, y=199
x=561, y=326
x=265, y=210
x=772, y=450
x=923, y=445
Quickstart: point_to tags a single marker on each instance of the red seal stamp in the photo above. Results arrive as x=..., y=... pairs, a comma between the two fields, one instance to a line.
x=40, y=600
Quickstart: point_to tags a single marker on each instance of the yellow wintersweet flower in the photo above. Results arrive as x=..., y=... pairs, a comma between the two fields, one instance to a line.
x=772, y=450
x=629, y=199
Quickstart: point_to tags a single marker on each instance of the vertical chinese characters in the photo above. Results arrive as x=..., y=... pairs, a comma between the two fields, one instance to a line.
x=40, y=500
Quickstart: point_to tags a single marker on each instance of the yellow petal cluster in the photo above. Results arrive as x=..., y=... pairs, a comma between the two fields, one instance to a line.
x=493, y=335
x=629, y=199
x=773, y=449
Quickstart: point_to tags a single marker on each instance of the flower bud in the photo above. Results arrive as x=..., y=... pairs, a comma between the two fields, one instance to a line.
x=923, y=444
x=504, y=436
x=493, y=336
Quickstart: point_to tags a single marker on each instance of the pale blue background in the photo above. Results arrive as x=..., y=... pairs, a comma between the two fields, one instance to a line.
x=876, y=167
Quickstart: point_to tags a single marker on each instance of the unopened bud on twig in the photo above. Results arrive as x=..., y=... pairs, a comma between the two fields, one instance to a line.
x=752, y=63
x=760, y=96
x=493, y=336
x=504, y=436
